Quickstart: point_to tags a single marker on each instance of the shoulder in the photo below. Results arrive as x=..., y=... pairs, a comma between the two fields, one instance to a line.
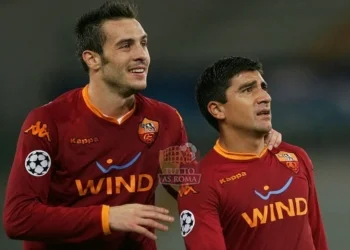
x=160, y=109
x=207, y=169
x=203, y=193
x=66, y=101
x=212, y=162
x=49, y=113
x=158, y=106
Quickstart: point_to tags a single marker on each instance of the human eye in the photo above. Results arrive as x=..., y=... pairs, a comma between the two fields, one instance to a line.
x=144, y=43
x=125, y=46
x=248, y=89
x=264, y=87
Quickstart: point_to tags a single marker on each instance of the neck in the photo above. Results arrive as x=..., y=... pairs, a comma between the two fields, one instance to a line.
x=109, y=100
x=241, y=141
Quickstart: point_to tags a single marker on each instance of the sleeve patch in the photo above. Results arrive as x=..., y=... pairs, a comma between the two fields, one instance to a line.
x=187, y=222
x=39, y=130
x=38, y=163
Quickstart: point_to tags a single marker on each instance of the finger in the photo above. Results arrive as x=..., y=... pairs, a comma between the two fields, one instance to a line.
x=153, y=224
x=272, y=140
x=156, y=216
x=155, y=209
x=278, y=140
x=267, y=138
x=145, y=232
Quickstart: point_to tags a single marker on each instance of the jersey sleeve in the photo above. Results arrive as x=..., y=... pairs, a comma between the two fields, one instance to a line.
x=315, y=217
x=180, y=139
x=182, y=135
x=199, y=217
x=27, y=214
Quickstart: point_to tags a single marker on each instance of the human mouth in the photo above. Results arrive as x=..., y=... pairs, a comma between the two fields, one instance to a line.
x=137, y=70
x=140, y=68
x=264, y=113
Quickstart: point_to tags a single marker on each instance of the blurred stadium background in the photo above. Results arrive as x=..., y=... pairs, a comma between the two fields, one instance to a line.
x=304, y=45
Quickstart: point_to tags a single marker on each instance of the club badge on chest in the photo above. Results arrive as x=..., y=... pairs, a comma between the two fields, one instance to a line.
x=148, y=131
x=289, y=160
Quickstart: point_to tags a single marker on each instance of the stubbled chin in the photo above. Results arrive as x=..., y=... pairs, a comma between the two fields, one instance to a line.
x=264, y=128
x=138, y=83
x=139, y=86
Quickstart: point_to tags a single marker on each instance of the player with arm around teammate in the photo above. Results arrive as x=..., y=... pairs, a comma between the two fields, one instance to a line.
x=86, y=164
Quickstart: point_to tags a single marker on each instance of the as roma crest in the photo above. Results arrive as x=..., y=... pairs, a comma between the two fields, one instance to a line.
x=289, y=160
x=148, y=131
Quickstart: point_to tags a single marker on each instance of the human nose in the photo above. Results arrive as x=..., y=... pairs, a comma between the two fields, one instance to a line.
x=264, y=97
x=141, y=53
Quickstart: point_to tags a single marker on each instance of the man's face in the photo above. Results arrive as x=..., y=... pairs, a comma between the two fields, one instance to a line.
x=248, y=105
x=125, y=58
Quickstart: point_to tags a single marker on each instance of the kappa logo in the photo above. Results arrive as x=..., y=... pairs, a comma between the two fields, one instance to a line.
x=289, y=160
x=83, y=141
x=39, y=130
x=186, y=189
x=233, y=177
x=117, y=167
x=148, y=131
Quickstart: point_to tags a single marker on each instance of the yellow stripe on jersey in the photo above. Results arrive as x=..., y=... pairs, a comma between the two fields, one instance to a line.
x=105, y=220
x=97, y=112
x=237, y=156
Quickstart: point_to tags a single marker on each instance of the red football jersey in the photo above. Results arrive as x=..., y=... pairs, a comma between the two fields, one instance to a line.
x=251, y=202
x=72, y=163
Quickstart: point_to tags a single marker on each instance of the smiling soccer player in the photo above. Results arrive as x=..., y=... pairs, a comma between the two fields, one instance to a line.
x=85, y=170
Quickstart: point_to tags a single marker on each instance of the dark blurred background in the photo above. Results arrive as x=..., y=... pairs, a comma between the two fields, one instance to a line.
x=304, y=46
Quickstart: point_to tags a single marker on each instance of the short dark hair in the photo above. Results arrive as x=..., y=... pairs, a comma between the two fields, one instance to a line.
x=215, y=80
x=89, y=35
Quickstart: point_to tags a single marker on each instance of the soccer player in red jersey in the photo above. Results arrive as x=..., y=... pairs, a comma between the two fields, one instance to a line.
x=248, y=198
x=86, y=165
x=85, y=155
